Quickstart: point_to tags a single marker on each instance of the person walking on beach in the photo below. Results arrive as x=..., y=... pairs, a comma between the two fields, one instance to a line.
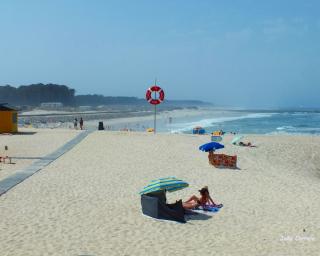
x=81, y=123
x=75, y=123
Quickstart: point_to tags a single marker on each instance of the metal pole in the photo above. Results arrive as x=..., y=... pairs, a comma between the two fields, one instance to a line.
x=155, y=119
x=155, y=110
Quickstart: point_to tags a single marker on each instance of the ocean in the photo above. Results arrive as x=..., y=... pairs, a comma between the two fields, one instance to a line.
x=248, y=122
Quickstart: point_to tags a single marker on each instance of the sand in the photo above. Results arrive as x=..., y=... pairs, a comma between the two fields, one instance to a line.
x=30, y=145
x=87, y=202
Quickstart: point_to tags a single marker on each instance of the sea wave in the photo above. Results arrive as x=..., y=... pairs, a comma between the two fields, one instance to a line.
x=183, y=127
x=286, y=127
x=297, y=130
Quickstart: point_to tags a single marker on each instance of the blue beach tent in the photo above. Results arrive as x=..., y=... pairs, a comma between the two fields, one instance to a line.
x=198, y=130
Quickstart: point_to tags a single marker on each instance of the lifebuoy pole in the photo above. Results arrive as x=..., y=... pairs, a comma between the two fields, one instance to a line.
x=155, y=111
x=155, y=119
x=152, y=99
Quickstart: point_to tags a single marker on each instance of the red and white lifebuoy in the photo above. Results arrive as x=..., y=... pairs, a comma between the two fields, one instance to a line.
x=155, y=101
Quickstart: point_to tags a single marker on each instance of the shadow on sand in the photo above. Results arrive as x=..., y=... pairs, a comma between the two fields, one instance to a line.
x=18, y=133
x=24, y=133
x=190, y=215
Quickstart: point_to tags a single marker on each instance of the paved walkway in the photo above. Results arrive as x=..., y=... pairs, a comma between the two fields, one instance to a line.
x=15, y=179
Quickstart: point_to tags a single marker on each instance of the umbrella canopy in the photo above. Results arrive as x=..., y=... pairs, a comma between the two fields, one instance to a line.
x=169, y=184
x=210, y=146
x=236, y=139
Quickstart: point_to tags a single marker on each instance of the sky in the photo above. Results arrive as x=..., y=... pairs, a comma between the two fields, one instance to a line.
x=241, y=53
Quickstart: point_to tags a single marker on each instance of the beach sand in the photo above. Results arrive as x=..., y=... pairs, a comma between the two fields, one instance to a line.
x=30, y=145
x=87, y=201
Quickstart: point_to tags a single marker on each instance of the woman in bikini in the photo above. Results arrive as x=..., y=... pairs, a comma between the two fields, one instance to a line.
x=205, y=199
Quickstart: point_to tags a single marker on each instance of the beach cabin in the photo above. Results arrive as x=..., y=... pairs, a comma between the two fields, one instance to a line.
x=8, y=119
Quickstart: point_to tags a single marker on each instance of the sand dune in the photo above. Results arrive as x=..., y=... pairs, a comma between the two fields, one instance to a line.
x=87, y=202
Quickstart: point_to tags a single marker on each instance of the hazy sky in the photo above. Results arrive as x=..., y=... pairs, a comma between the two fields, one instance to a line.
x=241, y=53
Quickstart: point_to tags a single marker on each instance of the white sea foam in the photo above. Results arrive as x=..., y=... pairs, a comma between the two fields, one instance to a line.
x=187, y=126
x=304, y=113
x=288, y=127
x=296, y=130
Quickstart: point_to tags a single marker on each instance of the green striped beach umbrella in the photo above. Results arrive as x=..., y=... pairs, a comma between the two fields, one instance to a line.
x=169, y=184
x=236, y=139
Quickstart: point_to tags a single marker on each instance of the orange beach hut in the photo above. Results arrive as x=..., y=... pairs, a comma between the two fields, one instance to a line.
x=8, y=119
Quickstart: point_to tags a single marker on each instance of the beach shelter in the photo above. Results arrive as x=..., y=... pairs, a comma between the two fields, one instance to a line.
x=8, y=119
x=236, y=139
x=155, y=206
x=210, y=146
x=154, y=202
x=198, y=130
x=215, y=138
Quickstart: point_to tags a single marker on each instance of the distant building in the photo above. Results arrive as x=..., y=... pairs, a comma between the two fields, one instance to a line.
x=85, y=108
x=51, y=105
x=9, y=119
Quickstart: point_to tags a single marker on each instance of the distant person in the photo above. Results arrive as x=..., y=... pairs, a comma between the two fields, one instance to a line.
x=81, y=123
x=249, y=144
x=75, y=123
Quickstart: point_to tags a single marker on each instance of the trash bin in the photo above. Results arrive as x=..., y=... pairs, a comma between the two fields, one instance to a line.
x=100, y=127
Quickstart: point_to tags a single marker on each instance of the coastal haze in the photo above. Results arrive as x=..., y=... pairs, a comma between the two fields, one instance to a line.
x=79, y=141
x=242, y=54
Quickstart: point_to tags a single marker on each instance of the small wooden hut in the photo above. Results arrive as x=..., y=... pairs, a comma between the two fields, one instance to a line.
x=8, y=119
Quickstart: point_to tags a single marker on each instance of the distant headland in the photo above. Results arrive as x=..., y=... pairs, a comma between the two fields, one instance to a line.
x=34, y=95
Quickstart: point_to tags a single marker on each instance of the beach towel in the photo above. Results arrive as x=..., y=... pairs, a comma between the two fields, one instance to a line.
x=207, y=210
x=211, y=208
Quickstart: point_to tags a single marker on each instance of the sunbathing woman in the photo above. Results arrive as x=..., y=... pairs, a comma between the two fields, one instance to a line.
x=249, y=144
x=205, y=199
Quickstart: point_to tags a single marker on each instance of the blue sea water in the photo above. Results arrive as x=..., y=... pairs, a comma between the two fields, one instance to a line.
x=257, y=123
